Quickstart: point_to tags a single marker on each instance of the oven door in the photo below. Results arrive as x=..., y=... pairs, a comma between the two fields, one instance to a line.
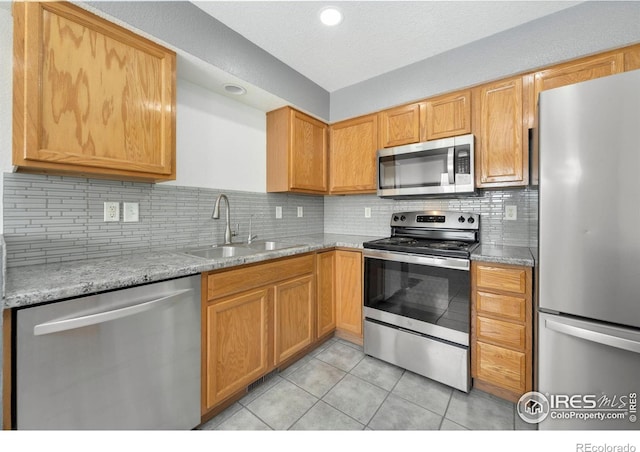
x=425, y=294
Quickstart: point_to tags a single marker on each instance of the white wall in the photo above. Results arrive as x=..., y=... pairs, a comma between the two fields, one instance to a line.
x=6, y=62
x=220, y=142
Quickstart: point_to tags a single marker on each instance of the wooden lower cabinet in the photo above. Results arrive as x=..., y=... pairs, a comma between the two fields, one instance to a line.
x=349, y=293
x=237, y=351
x=259, y=317
x=501, y=329
x=294, y=317
x=325, y=293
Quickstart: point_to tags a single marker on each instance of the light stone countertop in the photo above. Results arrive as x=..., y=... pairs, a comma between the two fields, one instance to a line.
x=35, y=284
x=503, y=254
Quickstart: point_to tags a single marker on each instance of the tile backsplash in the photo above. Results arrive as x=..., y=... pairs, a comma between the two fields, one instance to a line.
x=346, y=214
x=49, y=219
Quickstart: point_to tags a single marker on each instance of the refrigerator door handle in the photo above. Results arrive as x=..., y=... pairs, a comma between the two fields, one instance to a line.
x=93, y=319
x=594, y=336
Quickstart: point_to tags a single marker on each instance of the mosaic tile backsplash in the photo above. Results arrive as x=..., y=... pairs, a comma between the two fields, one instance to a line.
x=50, y=219
x=346, y=214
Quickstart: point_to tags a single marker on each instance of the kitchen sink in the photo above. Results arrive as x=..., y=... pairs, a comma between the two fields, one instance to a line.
x=269, y=245
x=238, y=249
x=222, y=251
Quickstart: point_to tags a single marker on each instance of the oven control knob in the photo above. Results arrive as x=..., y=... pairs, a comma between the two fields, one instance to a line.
x=395, y=218
x=402, y=218
x=461, y=219
x=471, y=220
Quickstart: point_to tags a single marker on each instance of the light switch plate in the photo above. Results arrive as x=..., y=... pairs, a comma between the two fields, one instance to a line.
x=130, y=212
x=367, y=212
x=278, y=212
x=111, y=211
x=300, y=212
x=510, y=213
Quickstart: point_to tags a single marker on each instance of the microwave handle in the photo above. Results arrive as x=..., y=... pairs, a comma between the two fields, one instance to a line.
x=450, y=159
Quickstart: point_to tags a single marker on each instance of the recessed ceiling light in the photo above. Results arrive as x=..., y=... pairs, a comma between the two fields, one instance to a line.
x=330, y=16
x=235, y=89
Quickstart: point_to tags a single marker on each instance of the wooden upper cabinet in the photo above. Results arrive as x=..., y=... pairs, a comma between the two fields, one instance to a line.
x=90, y=97
x=449, y=115
x=353, y=155
x=632, y=58
x=296, y=152
x=502, y=116
x=578, y=71
x=402, y=125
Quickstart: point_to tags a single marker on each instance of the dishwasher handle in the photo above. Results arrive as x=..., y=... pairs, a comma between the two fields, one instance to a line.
x=101, y=317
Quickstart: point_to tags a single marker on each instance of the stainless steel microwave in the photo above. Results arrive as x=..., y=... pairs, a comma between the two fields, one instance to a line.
x=438, y=167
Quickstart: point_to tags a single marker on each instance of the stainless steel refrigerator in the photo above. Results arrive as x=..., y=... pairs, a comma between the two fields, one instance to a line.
x=588, y=324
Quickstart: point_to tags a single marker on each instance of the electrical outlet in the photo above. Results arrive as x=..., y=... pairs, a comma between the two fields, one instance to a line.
x=278, y=212
x=510, y=213
x=367, y=212
x=130, y=213
x=300, y=212
x=111, y=211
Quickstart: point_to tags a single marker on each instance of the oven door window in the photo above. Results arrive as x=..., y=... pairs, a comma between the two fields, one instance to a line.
x=434, y=295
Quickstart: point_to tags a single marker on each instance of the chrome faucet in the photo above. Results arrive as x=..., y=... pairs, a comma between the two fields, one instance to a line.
x=216, y=216
x=251, y=236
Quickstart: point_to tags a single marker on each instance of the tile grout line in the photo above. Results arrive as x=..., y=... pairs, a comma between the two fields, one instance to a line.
x=444, y=415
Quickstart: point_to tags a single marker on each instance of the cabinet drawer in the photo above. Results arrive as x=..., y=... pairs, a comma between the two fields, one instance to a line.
x=502, y=278
x=500, y=332
x=508, y=307
x=500, y=366
x=241, y=279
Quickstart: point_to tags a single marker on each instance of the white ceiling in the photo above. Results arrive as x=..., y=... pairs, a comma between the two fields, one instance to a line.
x=375, y=36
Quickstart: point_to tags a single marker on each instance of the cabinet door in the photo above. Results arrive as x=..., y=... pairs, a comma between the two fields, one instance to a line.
x=308, y=166
x=353, y=155
x=236, y=343
x=325, y=293
x=448, y=116
x=632, y=58
x=402, y=125
x=578, y=71
x=502, y=118
x=294, y=317
x=502, y=367
x=349, y=292
x=90, y=97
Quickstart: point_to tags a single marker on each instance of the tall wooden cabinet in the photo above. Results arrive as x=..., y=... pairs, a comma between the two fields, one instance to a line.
x=90, y=97
x=501, y=329
x=353, y=155
x=502, y=117
x=296, y=152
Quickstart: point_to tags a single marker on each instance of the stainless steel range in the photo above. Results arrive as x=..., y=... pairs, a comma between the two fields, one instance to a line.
x=417, y=293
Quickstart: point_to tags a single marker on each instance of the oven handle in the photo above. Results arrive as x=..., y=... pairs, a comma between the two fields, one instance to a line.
x=433, y=261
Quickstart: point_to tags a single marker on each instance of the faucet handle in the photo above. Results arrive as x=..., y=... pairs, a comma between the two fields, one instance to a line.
x=235, y=233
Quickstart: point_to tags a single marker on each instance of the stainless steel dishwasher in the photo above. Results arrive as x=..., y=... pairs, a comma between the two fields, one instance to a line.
x=126, y=359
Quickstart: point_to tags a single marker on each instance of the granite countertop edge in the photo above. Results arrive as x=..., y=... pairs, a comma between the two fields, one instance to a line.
x=42, y=283
x=504, y=254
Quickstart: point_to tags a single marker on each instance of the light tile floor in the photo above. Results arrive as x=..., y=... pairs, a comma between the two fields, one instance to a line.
x=338, y=387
